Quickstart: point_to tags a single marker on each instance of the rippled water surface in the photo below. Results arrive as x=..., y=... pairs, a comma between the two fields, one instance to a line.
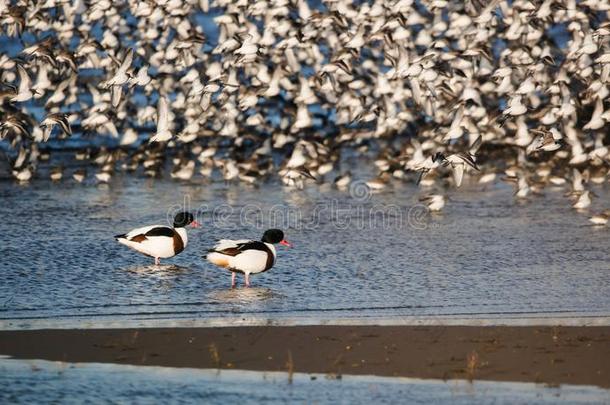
x=38, y=381
x=367, y=256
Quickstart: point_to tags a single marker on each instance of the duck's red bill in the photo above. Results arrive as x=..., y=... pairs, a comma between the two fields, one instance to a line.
x=195, y=224
x=285, y=243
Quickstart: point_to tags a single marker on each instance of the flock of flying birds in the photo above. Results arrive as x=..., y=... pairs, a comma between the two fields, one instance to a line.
x=432, y=91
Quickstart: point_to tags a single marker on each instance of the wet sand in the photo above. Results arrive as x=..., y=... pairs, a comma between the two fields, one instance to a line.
x=550, y=355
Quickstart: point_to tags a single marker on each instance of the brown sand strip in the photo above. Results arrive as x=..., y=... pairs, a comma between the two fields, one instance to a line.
x=561, y=355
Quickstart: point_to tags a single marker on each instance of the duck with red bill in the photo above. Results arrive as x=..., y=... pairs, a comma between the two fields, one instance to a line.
x=247, y=256
x=160, y=241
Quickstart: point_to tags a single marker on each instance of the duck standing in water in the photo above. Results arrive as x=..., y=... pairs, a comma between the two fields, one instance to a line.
x=160, y=241
x=247, y=256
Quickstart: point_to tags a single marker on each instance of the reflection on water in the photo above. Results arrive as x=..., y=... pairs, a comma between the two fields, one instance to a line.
x=244, y=295
x=35, y=381
x=484, y=255
x=160, y=271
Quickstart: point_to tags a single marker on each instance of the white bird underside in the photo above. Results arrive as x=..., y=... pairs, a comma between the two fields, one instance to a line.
x=458, y=174
x=154, y=246
x=24, y=92
x=249, y=261
x=163, y=132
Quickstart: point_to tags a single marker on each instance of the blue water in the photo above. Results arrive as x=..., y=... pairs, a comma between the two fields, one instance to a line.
x=36, y=381
x=380, y=256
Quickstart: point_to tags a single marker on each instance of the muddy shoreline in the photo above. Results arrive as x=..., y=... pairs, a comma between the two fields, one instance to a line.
x=549, y=355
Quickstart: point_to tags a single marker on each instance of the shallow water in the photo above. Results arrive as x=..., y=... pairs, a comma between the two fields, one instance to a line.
x=36, y=381
x=355, y=255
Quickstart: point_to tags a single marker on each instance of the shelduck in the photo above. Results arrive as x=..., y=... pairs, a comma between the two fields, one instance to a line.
x=247, y=256
x=160, y=241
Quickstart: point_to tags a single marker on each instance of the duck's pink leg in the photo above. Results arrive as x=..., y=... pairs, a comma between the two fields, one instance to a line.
x=157, y=261
x=233, y=279
x=247, y=280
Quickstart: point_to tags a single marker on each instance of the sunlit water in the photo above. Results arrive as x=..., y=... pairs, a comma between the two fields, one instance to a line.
x=33, y=381
x=484, y=255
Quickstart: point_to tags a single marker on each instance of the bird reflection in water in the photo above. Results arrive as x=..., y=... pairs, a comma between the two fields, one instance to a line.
x=162, y=271
x=244, y=295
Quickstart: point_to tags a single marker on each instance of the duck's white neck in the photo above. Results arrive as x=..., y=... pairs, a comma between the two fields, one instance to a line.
x=272, y=248
x=182, y=232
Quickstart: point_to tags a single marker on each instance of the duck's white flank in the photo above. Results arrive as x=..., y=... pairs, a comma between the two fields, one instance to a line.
x=154, y=246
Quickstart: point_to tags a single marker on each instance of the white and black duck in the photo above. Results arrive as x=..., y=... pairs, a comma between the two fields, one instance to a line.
x=160, y=241
x=247, y=256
